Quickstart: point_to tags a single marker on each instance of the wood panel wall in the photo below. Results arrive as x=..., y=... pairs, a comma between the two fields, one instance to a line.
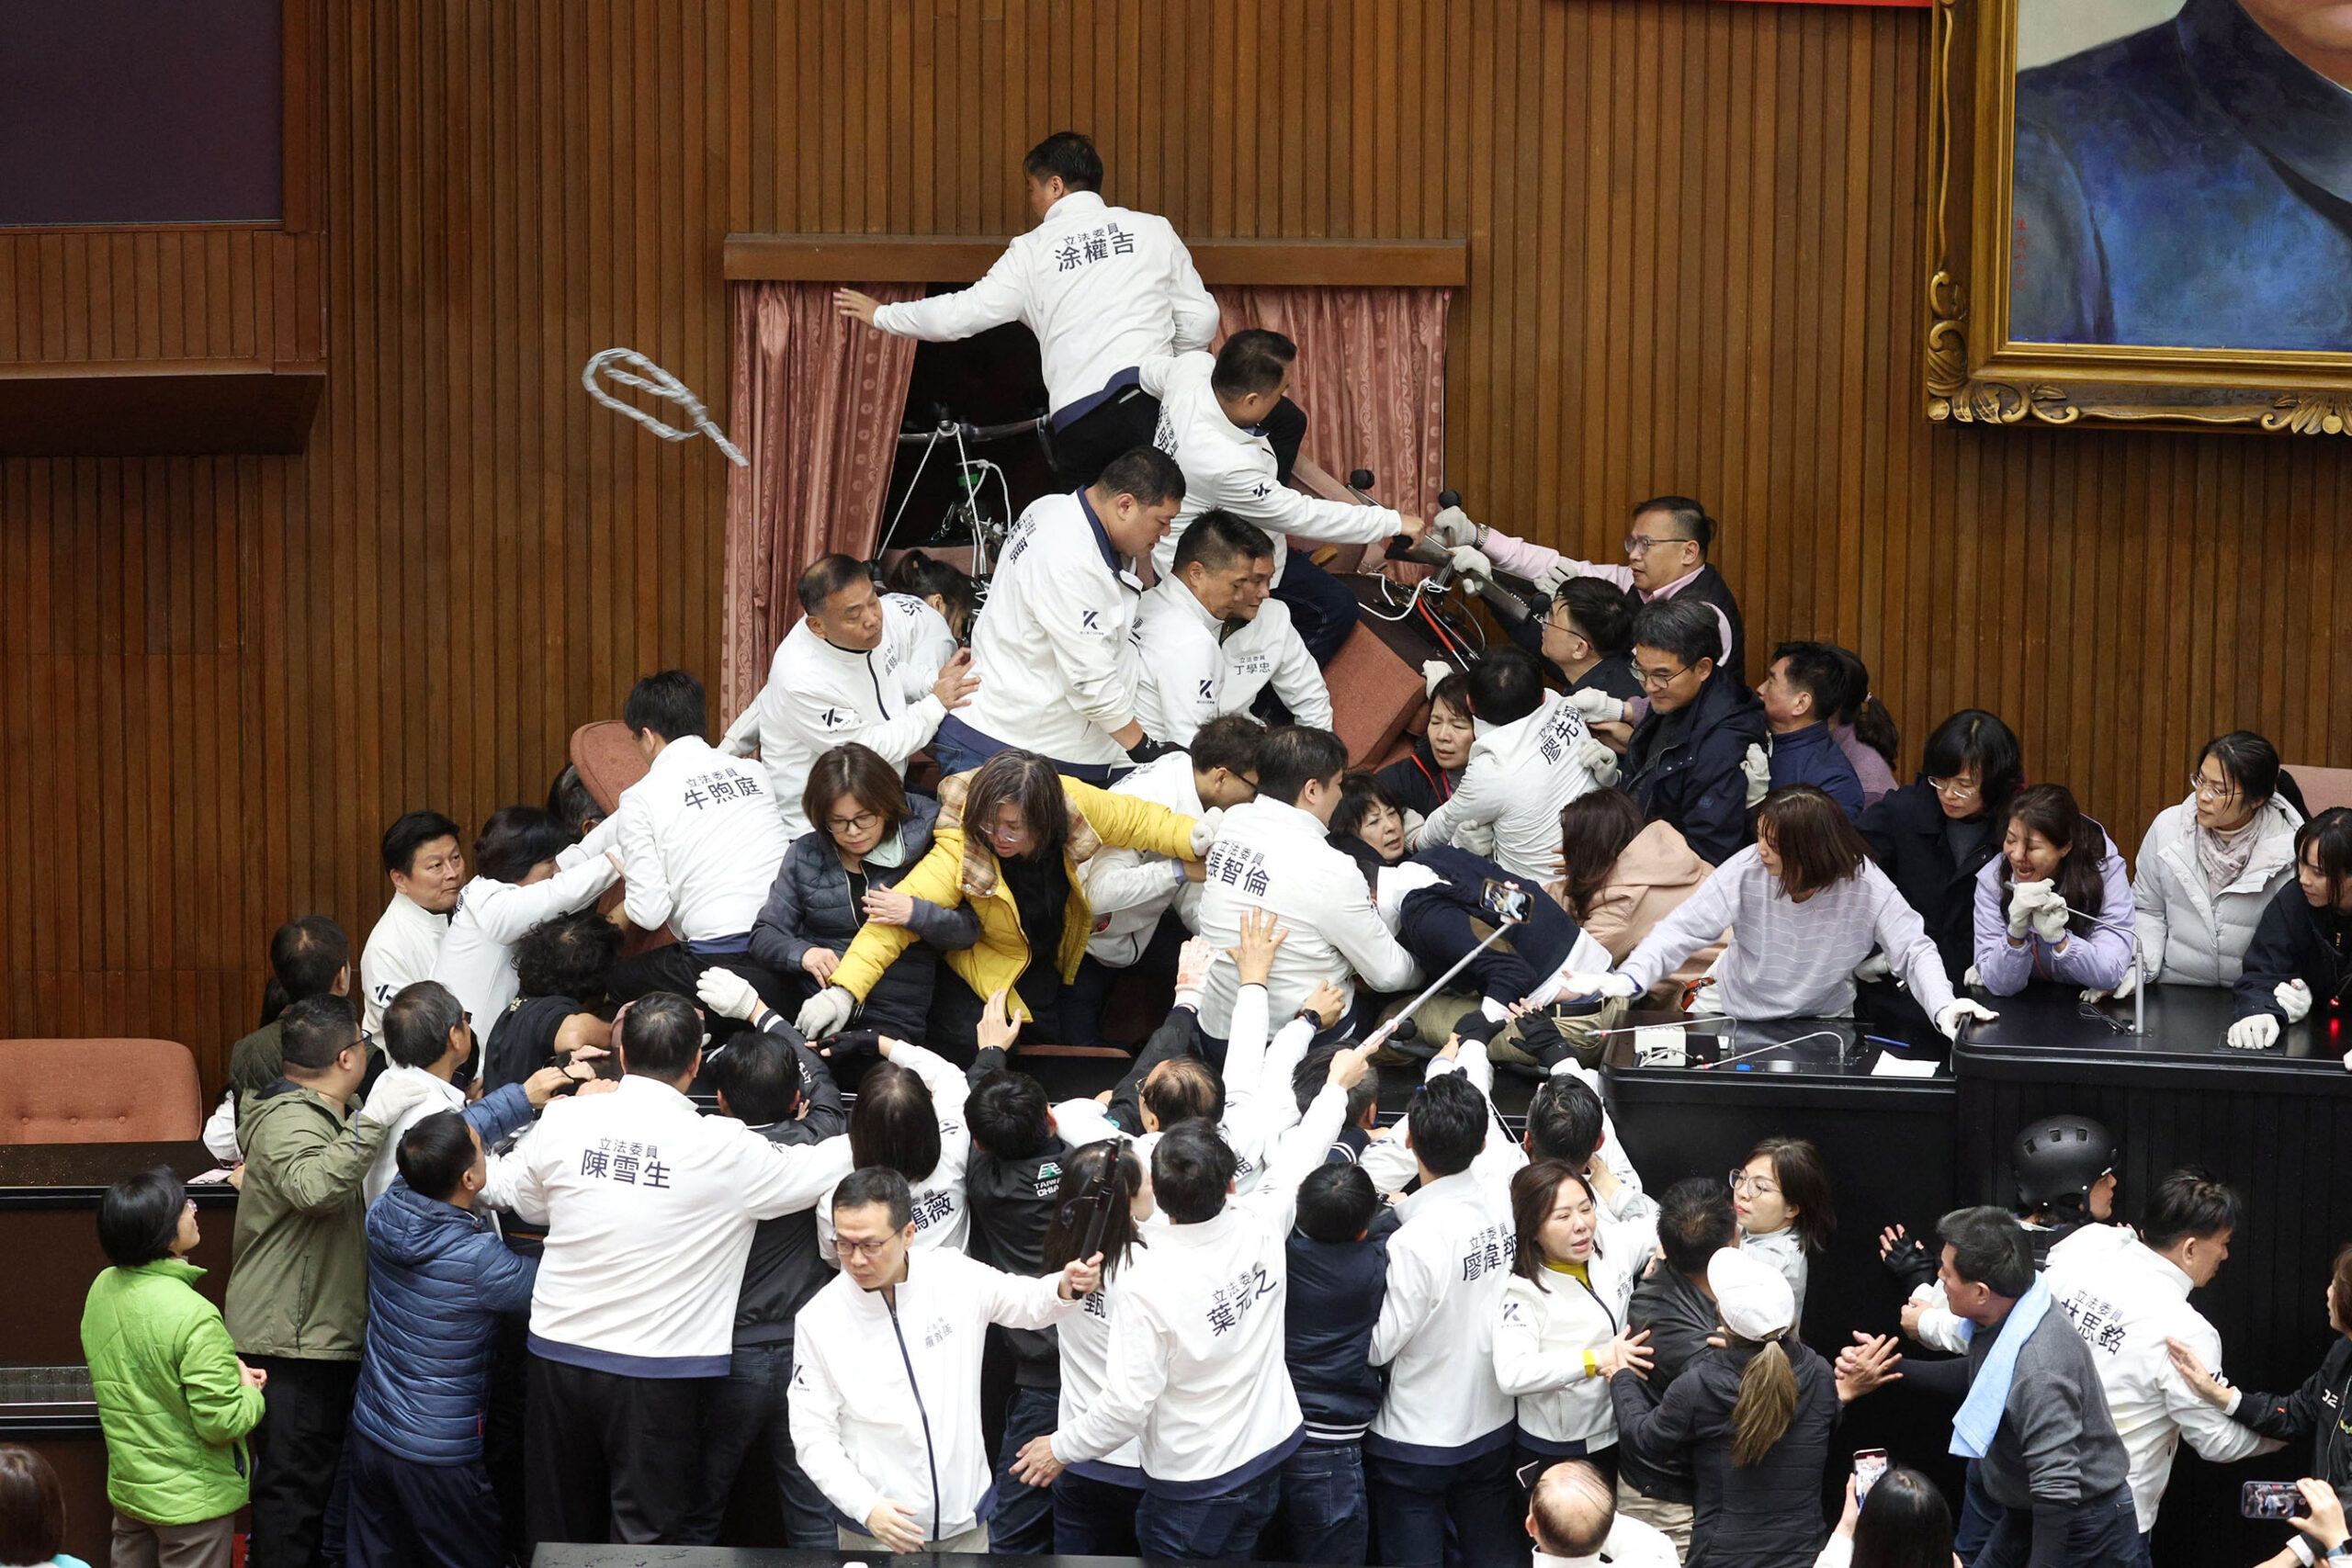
x=1695, y=235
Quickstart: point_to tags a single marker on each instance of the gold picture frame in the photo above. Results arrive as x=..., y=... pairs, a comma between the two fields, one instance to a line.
x=1977, y=373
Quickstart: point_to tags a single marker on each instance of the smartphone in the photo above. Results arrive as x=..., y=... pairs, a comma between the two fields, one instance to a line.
x=1868, y=1465
x=2272, y=1500
x=1508, y=904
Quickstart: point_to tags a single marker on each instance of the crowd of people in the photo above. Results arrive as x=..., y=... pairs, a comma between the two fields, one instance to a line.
x=546, y=1232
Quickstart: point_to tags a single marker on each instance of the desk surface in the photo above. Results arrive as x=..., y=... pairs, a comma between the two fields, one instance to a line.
x=2048, y=1029
x=50, y=1176
x=1711, y=1055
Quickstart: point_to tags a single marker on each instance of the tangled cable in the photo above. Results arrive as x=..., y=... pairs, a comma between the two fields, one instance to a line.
x=661, y=384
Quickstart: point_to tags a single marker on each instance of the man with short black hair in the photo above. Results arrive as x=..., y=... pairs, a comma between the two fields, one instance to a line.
x=1588, y=633
x=1053, y=647
x=308, y=956
x=1533, y=754
x=650, y=1210
x=1337, y=1258
x=700, y=841
x=1674, y=1302
x=439, y=1282
x=1686, y=763
x=427, y=1037
x=1572, y=1515
x=1212, y=641
x=780, y=1089
x=427, y=867
x=1213, y=421
x=2128, y=1297
x=1102, y=287
x=2034, y=1417
x=1438, y=1457
x=836, y=679
x=297, y=1304
x=885, y=1379
x=1273, y=853
x=1801, y=693
x=1195, y=1368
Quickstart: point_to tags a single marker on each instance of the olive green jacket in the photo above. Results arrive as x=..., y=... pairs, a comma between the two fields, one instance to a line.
x=297, y=1269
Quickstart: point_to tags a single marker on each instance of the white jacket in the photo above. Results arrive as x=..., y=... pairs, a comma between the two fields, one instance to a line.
x=1542, y=1330
x=1448, y=1263
x=1272, y=856
x=820, y=696
x=1784, y=1250
x=1051, y=647
x=700, y=841
x=921, y=639
x=476, y=957
x=400, y=951
x=445, y=1096
x=2124, y=1300
x=2187, y=935
x=1085, y=1340
x=1197, y=668
x=1225, y=466
x=1519, y=776
x=1195, y=1362
x=886, y=1391
x=650, y=1208
x=1102, y=287
x=1392, y=1165
x=1632, y=1544
x=1129, y=890
x=942, y=1218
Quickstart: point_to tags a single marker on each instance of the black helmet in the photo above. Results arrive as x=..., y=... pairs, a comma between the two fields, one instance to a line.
x=2060, y=1157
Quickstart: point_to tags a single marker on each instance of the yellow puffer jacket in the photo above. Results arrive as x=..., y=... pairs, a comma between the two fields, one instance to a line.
x=960, y=870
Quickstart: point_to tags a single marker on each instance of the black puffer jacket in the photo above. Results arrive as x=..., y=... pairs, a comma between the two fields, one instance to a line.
x=1767, y=1515
x=1908, y=833
x=810, y=906
x=1684, y=767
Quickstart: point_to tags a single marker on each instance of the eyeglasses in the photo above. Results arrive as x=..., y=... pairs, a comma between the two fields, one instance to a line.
x=864, y=822
x=849, y=1248
x=1643, y=544
x=1657, y=679
x=1755, y=1186
x=1957, y=789
x=2209, y=789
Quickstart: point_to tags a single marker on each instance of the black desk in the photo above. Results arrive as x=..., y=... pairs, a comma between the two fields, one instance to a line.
x=2268, y=1122
x=1888, y=1143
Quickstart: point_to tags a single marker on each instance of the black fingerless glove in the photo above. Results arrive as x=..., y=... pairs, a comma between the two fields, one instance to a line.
x=1909, y=1261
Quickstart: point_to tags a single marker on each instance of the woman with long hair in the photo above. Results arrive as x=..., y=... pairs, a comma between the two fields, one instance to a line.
x=1620, y=875
x=2055, y=906
x=1779, y=1195
x=1560, y=1330
x=1094, y=1501
x=1805, y=904
x=2212, y=864
x=1752, y=1419
x=1862, y=727
x=1904, y=1523
x=865, y=833
x=1934, y=836
x=1011, y=836
x=2300, y=956
x=909, y=1116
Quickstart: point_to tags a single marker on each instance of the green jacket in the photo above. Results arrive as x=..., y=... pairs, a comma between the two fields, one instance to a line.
x=174, y=1409
x=298, y=1269
x=255, y=1063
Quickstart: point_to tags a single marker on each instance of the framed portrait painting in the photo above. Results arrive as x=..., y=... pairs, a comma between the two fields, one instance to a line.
x=2140, y=213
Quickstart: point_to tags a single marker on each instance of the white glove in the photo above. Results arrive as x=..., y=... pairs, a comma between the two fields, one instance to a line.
x=2050, y=921
x=1550, y=581
x=1598, y=760
x=1597, y=707
x=1759, y=769
x=2255, y=1033
x=1950, y=1015
x=1204, y=830
x=1453, y=526
x=1470, y=562
x=2123, y=989
x=825, y=1013
x=727, y=994
x=394, y=1098
x=2026, y=899
x=1874, y=968
x=1192, y=963
x=2294, y=999
x=1608, y=983
x=1972, y=979
x=1432, y=671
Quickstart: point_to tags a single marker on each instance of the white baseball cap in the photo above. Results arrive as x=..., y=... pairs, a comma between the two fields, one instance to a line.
x=1754, y=1299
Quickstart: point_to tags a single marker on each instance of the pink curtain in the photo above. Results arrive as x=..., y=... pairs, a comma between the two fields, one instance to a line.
x=1371, y=375
x=816, y=405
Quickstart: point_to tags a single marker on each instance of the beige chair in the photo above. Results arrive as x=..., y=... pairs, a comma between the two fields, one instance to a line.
x=2323, y=787
x=98, y=1091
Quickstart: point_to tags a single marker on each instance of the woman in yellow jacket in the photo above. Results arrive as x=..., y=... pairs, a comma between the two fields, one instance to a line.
x=1012, y=835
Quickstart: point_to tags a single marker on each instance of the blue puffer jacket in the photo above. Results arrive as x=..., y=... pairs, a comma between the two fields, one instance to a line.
x=436, y=1278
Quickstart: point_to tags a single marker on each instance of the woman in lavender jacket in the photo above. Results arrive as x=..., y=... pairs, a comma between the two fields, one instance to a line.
x=2056, y=905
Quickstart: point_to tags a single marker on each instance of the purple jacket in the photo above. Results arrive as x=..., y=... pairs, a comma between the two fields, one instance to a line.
x=2097, y=961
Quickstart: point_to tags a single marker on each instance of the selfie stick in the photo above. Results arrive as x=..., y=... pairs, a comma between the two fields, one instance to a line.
x=1380, y=1036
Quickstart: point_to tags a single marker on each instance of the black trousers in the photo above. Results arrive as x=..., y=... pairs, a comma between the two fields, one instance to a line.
x=609, y=1458
x=406, y=1515
x=307, y=1408
x=677, y=967
x=1088, y=444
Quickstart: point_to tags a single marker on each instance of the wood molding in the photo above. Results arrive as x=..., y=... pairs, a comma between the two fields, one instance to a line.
x=949, y=258
x=157, y=407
